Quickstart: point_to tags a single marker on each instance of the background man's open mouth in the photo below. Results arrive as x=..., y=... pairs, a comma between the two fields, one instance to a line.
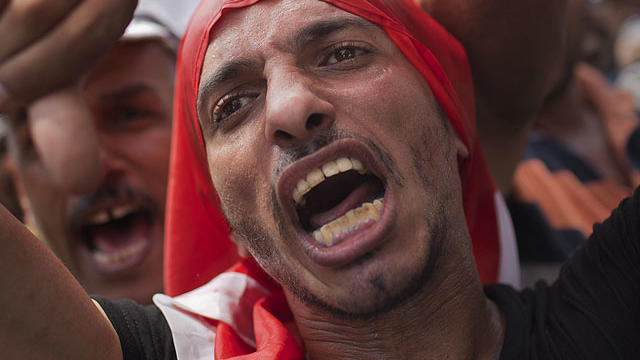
x=114, y=228
x=118, y=237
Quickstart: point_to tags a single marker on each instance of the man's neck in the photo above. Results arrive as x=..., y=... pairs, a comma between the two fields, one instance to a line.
x=450, y=318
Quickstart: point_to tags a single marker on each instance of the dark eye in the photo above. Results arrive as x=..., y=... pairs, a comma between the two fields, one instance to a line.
x=128, y=114
x=124, y=117
x=229, y=105
x=343, y=53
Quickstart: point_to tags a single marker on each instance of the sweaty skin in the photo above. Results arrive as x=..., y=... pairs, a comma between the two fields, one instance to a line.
x=312, y=90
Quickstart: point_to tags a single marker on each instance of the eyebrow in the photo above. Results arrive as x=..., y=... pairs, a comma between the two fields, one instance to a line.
x=128, y=92
x=310, y=33
x=225, y=73
x=324, y=28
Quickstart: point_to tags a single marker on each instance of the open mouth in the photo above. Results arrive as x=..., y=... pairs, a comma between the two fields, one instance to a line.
x=337, y=200
x=117, y=237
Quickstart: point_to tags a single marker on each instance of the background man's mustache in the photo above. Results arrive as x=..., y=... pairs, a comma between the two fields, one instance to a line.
x=111, y=192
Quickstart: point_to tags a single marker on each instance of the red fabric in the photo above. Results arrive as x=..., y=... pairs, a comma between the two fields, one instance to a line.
x=197, y=245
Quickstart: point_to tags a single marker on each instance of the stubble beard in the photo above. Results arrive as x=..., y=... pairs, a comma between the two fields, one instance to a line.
x=383, y=292
x=383, y=295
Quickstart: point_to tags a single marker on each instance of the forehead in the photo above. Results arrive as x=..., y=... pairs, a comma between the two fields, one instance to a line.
x=270, y=17
x=267, y=24
x=131, y=61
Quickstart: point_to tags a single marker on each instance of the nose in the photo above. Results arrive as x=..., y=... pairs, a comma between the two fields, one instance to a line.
x=113, y=159
x=294, y=110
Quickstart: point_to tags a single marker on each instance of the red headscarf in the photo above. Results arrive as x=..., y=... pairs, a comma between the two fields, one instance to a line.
x=197, y=245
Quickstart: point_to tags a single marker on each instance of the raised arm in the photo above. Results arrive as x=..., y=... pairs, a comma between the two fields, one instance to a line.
x=46, y=44
x=516, y=50
x=45, y=313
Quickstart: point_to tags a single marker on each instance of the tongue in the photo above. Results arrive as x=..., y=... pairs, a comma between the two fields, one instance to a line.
x=120, y=234
x=368, y=191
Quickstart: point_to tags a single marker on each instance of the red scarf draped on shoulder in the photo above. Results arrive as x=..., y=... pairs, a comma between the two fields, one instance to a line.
x=197, y=244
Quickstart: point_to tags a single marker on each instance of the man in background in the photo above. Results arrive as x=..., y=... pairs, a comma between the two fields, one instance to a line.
x=107, y=225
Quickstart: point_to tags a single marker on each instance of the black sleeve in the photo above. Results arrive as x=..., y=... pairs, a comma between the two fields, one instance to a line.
x=598, y=291
x=143, y=330
x=593, y=310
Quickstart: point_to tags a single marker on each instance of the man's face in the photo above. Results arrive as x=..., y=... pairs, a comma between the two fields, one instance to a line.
x=112, y=238
x=333, y=163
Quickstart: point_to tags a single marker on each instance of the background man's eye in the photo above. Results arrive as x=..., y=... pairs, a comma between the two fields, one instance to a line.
x=128, y=114
x=229, y=106
x=127, y=117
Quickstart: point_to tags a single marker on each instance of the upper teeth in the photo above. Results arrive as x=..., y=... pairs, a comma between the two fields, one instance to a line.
x=98, y=218
x=318, y=175
x=104, y=216
x=122, y=211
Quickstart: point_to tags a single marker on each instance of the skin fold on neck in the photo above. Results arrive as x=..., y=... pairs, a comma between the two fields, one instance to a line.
x=449, y=317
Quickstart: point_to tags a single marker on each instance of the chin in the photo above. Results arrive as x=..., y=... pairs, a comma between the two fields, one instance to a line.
x=374, y=287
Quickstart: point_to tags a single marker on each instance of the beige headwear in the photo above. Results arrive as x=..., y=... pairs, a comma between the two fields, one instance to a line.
x=165, y=20
x=627, y=47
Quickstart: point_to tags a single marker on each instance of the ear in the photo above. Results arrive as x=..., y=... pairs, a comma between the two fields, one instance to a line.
x=242, y=251
x=462, y=151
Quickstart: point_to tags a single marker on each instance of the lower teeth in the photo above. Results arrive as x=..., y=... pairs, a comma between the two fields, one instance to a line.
x=118, y=257
x=352, y=220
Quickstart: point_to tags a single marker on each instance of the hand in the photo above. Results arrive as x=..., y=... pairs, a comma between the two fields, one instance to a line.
x=614, y=106
x=64, y=135
x=517, y=52
x=48, y=43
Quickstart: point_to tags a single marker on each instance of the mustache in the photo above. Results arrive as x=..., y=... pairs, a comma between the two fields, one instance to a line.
x=110, y=192
x=292, y=154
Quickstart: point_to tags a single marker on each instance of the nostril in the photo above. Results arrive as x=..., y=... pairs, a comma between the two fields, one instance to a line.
x=314, y=121
x=283, y=135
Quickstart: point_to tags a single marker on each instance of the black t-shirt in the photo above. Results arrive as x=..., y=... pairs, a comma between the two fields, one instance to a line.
x=591, y=312
x=143, y=330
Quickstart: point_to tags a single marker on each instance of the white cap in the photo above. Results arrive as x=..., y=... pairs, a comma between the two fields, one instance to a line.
x=165, y=20
x=629, y=80
x=627, y=47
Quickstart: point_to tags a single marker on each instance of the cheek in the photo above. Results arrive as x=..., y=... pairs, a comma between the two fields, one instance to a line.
x=237, y=172
x=393, y=101
x=152, y=148
x=398, y=111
